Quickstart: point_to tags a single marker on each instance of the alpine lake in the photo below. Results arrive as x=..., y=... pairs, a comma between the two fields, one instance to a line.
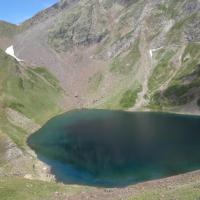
x=116, y=148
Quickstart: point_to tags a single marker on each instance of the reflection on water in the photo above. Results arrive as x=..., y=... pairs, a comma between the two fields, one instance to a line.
x=114, y=148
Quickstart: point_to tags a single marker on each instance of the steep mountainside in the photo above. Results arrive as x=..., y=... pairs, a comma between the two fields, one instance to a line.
x=28, y=97
x=118, y=53
x=7, y=31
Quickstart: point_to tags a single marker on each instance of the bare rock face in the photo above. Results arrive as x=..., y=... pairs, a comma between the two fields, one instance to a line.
x=8, y=150
x=12, y=151
x=19, y=120
x=67, y=3
x=81, y=26
x=192, y=31
x=191, y=7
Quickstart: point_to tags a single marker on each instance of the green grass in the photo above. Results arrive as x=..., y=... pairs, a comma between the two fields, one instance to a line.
x=123, y=99
x=33, y=92
x=16, y=134
x=124, y=65
x=2, y=149
x=182, y=88
x=162, y=71
x=175, y=34
x=31, y=95
x=7, y=29
x=129, y=98
x=190, y=191
x=19, y=188
x=95, y=81
x=174, y=95
x=170, y=9
x=193, y=49
x=48, y=76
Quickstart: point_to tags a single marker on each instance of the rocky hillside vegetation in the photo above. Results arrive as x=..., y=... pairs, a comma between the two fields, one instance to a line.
x=118, y=53
x=28, y=97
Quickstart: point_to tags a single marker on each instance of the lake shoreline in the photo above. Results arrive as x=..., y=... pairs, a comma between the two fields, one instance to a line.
x=88, y=113
x=49, y=172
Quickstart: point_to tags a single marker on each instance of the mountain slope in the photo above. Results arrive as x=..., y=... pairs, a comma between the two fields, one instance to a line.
x=28, y=97
x=7, y=31
x=183, y=87
x=114, y=54
x=111, y=51
x=27, y=91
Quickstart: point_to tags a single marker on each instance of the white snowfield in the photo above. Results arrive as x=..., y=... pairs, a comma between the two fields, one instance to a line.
x=10, y=51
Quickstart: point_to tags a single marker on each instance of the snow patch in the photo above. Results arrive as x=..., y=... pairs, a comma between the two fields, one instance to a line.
x=10, y=51
x=151, y=51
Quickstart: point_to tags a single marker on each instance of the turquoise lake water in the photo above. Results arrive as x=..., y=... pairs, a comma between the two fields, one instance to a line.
x=116, y=148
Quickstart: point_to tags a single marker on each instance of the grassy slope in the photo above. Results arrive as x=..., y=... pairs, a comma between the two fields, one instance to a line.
x=124, y=67
x=18, y=189
x=180, y=192
x=7, y=29
x=122, y=99
x=33, y=93
x=126, y=64
x=184, y=87
x=179, y=188
x=161, y=71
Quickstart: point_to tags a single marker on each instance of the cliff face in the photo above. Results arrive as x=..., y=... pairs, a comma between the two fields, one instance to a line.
x=118, y=53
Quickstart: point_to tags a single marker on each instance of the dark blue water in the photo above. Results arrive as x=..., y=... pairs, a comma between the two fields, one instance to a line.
x=115, y=148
